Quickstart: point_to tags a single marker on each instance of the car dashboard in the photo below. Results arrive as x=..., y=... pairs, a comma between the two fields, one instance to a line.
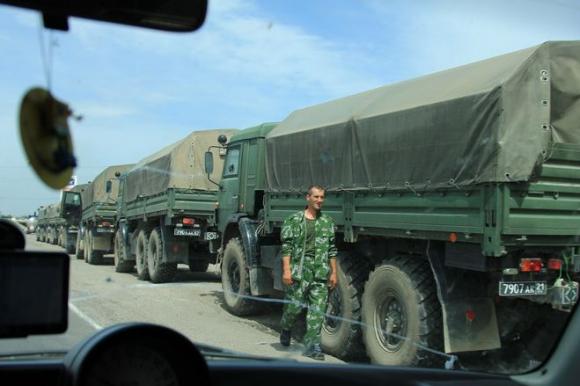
x=143, y=354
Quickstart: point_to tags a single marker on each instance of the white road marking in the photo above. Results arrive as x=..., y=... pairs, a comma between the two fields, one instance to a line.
x=84, y=316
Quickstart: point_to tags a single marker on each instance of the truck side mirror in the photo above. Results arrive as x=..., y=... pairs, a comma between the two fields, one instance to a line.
x=208, y=162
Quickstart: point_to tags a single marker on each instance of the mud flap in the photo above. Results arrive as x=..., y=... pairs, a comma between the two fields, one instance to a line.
x=470, y=324
x=469, y=316
x=176, y=249
x=261, y=282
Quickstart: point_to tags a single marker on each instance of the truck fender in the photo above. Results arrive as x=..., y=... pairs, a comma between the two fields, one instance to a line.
x=468, y=313
x=124, y=228
x=261, y=282
x=247, y=228
x=231, y=228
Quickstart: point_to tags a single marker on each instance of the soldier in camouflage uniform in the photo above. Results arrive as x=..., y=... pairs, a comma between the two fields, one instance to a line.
x=309, y=269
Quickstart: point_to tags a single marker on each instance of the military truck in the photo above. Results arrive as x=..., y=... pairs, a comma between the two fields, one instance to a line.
x=58, y=223
x=455, y=198
x=166, y=213
x=42, y=224
x=99, y=211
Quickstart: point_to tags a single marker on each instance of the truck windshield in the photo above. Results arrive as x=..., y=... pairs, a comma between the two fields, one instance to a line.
x=232, y=162
x=72, y=199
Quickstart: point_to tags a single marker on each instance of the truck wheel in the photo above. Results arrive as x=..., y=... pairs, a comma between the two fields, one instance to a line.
x=236, y=280
x=159, y=271
x=141, y=256
x=121, y=265
x=401, y=314
x=339, y=337
x=69, y=245
x=198, y=265
x=92, y=257
x=79, y=253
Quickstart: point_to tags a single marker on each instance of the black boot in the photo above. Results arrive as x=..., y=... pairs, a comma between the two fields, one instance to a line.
x=314, y=352
x=285, y=338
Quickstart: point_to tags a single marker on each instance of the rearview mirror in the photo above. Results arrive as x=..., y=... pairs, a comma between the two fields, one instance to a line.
x=33, y=293
x=177, y=16
x=208, y=162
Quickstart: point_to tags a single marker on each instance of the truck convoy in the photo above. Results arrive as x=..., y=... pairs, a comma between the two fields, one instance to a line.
x=58, y=223
x=99, y=211
x=166, y=210
x=455, y=197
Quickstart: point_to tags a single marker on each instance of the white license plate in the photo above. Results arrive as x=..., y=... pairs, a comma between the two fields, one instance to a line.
x=211, y=236
x=105, y=230
x=186, y=232
x=522, y=288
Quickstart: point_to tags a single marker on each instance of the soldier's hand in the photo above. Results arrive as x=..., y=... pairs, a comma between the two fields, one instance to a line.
x=333, y=280
x=287, y=278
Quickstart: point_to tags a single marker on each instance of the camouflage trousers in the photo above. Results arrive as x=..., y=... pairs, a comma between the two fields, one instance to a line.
x=311, y=294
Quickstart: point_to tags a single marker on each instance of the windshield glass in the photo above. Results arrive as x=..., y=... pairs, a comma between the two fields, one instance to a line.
x=73, y=199
x=381, y=202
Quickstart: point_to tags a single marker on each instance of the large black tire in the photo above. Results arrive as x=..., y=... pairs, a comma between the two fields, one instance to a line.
x=91, y=256
x=339, y=337
x=68, y=245
x=60, y=238
x=121, y=263
x=79, y=252
x=236, y=281
x=198, y=265
x=400, y=296
x=141, y=256
x=159, y=271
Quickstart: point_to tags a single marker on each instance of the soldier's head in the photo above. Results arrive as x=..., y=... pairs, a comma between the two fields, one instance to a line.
x=315, y=197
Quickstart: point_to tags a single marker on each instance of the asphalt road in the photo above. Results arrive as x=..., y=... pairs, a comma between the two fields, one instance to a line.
x=192, y=304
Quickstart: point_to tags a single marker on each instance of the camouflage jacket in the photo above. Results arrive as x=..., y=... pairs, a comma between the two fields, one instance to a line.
x=293, y=237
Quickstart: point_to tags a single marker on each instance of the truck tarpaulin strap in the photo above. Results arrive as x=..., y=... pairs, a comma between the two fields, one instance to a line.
x=490, y=121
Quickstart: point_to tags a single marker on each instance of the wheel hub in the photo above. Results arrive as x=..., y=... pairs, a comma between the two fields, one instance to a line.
x=234, y=276
x=392, y=321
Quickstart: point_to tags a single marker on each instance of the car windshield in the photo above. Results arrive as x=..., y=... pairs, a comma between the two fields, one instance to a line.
x=393, y=182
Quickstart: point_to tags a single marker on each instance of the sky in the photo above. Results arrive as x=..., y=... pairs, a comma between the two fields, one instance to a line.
x=252, y=62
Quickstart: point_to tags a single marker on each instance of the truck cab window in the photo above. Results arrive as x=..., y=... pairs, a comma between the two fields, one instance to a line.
x=109, y=186
x=232, y=162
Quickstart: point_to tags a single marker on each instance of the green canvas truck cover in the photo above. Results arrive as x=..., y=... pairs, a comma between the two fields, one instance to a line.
x=79, y=188
x=490, y=121
x=180, y=165
x=96, y=191
x=52, y=211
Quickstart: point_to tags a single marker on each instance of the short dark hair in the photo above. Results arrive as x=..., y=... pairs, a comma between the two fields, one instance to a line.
x=318, y=187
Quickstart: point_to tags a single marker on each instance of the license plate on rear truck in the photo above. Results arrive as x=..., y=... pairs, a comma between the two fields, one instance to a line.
x=105, y=230
x=523, y=288
x=186, y=232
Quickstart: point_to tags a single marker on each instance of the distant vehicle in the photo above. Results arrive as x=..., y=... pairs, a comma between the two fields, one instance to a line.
x=58, y=223
x=99, y=210
x=167, y=210
x=31, y=224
